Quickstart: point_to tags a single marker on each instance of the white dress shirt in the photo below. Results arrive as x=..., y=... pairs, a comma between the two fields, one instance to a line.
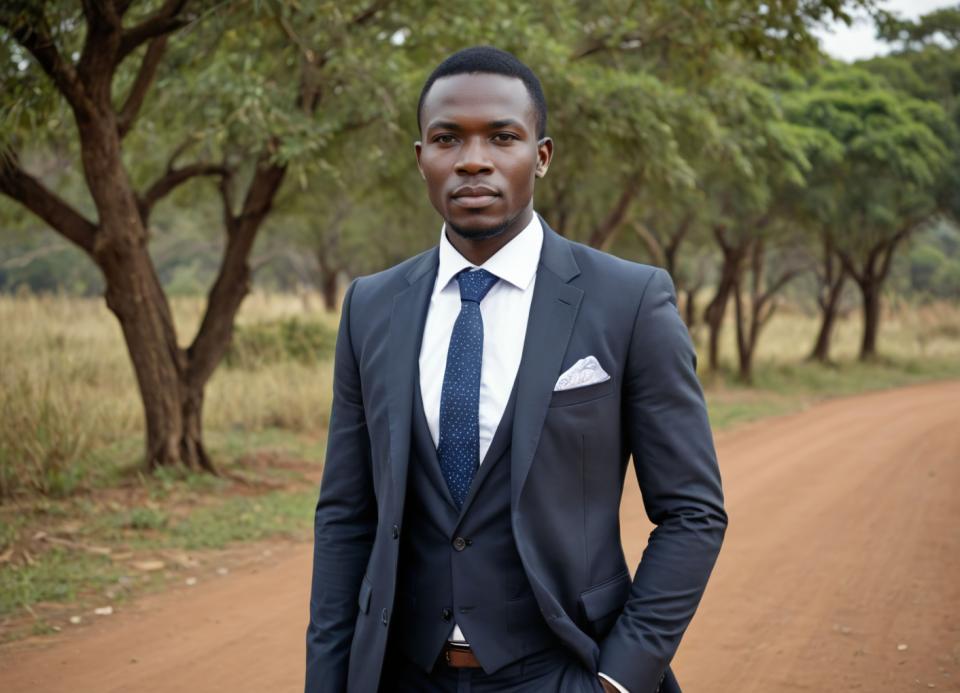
x=505, y=311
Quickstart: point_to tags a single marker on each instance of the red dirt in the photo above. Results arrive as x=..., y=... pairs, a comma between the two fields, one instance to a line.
x=843, y=547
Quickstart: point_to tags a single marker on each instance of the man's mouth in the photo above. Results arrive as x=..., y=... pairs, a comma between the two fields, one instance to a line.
x=474, y=196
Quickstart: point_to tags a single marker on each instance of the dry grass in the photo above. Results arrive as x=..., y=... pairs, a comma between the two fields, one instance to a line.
x=907, y=332
x=67, y=389
x=68, y=397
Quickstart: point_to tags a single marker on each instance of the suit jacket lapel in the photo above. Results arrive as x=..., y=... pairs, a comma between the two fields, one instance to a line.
x=552, y=314
x=406, y=334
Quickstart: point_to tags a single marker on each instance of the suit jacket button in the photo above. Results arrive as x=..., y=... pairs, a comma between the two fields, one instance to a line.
x=446, y=614
x=459, y=543
x=396, y=532
x=383, y=617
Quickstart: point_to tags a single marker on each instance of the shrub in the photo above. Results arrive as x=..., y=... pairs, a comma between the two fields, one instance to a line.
x=256, y=345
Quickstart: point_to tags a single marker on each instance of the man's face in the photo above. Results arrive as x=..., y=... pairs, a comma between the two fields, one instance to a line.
x=479, y=154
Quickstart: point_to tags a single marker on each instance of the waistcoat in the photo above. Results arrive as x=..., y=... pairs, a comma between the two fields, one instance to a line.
x=462, y=566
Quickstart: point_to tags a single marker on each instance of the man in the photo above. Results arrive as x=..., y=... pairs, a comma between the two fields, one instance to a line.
x=488, y=395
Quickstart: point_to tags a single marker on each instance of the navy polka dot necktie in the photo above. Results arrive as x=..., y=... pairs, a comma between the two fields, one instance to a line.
x=459, y=447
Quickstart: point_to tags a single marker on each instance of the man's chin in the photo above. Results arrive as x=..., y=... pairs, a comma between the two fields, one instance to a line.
x=479, y=232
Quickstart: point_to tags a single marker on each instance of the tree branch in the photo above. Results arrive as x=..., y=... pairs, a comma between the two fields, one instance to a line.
x=36, y=38
x=366, y=15
x=35, y=196
x=173, y=178
x=28, y=257
x=650, y=240
x=782, y=280
x=233, y=278
x=141, y=85
x=899, y=236
x=164, y=21
x=602, y=234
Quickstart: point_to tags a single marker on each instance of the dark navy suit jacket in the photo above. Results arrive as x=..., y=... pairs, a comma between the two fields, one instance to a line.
x=570, y=452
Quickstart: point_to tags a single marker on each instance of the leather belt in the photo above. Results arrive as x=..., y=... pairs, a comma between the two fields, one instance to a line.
x=460, y=656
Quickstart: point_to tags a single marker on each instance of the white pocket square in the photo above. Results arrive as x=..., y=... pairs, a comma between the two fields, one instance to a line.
x=586, y=371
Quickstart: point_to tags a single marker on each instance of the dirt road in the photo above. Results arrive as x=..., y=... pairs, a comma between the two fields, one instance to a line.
x=841, y=571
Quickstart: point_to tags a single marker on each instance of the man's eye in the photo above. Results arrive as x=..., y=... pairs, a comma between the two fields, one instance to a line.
x=504, y=137
x=444, y=139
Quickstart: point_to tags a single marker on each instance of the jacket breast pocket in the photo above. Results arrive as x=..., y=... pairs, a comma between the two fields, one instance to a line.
x=602, y=604
x=580, y=395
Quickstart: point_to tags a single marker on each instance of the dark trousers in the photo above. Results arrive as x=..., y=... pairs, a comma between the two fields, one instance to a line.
x=554, y=670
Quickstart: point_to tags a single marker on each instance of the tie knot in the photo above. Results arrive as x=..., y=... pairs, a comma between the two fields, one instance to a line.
x=475, y=284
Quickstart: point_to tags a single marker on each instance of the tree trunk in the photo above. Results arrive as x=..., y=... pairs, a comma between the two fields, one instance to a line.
x=745, y=343
x=134, y=294
x=715, y=311
x=328, y=285
x=192, y=451
x=747, y=323
x=828, y=298
x=828, y=313
x=870, y=277
x=762, y=306
x=690, y=307
x=828, y=316
x=713, y=316
x=871, y=320
x=158, y=362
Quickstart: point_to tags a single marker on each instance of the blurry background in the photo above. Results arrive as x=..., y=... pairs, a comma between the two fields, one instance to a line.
x=188, y=186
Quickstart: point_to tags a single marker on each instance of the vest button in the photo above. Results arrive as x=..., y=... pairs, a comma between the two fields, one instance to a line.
x=396, y=532
x=459, y=543
x=446, y=614
x=383, y=617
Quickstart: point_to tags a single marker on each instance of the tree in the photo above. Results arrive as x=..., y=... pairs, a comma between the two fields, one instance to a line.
x=760, y=159
x=112, y=48
x=885, y=185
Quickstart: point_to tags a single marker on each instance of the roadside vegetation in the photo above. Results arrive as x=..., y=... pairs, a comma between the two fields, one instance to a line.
x=83, y=526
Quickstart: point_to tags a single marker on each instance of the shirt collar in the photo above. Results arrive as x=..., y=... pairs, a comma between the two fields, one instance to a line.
x=515, y=263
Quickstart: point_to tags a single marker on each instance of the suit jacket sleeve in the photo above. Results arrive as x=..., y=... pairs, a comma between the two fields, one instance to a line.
x=665, y=420
x=344, y=524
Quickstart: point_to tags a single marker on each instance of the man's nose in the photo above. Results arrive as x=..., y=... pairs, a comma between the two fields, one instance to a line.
x=474, y=158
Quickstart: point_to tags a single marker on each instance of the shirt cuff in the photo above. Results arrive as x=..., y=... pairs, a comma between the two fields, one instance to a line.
x=615, y=684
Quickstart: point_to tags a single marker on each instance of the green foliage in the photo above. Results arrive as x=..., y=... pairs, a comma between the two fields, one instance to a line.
x=888, y=155
x=256, y=345
x=942, y=25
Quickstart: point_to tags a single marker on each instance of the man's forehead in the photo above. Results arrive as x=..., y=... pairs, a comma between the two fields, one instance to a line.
x=478, y=94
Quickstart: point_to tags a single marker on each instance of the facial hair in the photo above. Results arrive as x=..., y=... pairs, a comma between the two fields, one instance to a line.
x=473, y=234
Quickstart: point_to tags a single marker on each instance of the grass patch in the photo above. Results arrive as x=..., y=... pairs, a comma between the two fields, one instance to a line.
x=280, y=513
x=66, y=556
x=783, y=388
x=58, y=575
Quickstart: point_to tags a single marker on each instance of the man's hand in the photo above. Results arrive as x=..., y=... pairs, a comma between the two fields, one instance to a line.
x=607, y=686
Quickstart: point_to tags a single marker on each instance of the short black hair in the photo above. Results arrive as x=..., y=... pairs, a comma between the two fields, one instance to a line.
x=490, y=60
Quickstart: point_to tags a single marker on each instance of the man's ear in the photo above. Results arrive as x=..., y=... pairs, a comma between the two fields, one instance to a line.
x=418, y=148
x=544, y=156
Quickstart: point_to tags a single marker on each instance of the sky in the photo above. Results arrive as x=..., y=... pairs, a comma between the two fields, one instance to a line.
x=858, y=41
